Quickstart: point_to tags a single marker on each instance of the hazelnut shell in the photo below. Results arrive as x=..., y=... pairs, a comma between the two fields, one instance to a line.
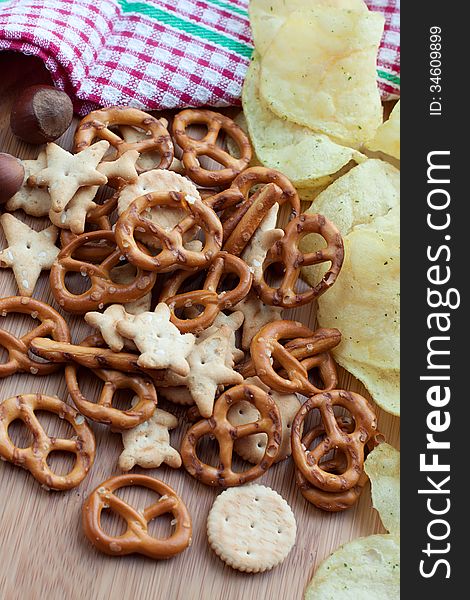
x=41, y=114
x=11, y=176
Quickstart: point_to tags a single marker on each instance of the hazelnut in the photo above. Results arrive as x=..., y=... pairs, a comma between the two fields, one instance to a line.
x=11, y=176
x=41, y=114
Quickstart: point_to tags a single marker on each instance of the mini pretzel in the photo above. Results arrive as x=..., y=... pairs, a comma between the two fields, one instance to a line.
x=103, y=411
x=173, y=255
x=136, y=539
x=96, y=126
x=208, y=296
x=193, y=149
x=219, y=427
x=91, y=358
x=286, y=252
x=296, y=360
x=51, y=323
x=260, y=204
x=34, y=457
x=103, y=289
x=350, y=444
x=99, y=219
x=329, y=501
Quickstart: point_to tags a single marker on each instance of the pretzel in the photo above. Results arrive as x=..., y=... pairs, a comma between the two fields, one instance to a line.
x=99, y=218
x=286, y=253
x=330, y=501
x=219, y=427
x=173, y=254
x=51, y=323
x=208, y=296
x=136, y=539
x=91, y=357
x=260, y=204
x=302, y=355
x=96, y=126
x=103, y=289
x=193, y=149
x=103, y=411
x=308, y=462
x=34, y=458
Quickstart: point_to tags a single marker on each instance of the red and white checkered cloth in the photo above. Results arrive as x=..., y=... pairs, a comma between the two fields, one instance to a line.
x=154, y=54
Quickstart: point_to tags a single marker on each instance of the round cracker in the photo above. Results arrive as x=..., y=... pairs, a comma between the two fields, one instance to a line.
x=251, y=528
x=367, y=568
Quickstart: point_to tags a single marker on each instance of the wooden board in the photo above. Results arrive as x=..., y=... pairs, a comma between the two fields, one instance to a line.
x=43, y=552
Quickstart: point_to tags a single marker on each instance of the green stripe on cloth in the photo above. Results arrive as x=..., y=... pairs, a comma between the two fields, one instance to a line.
x=229, y=7
x=388, y=76
x=186, y=26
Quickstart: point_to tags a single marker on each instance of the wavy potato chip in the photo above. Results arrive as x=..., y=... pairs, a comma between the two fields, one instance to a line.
x=305, y=157
x=268, y=16
x=365, y=569
x=387, y=137
x=320, y=71
x=383, y=469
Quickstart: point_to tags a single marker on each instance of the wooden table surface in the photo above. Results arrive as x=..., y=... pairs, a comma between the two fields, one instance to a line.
x=43, y=551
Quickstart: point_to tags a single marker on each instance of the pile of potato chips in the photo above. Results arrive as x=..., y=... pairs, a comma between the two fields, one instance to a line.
x=313, y=111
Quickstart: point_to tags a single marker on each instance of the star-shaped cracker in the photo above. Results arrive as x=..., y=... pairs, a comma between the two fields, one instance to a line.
x=31, y=200
x=208, y=369
x=234, y=322
x=256, y=314
x=74, y=215
x=66, y=173
x=122, y=170
x=263, y=239
x=148, y=444
x=161, y=344
x=29, y=252
x=106, y=323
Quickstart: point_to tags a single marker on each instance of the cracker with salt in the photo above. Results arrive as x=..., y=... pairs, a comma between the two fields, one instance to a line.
x=74, y=215
x=251, y=528
x=29, y=252
x=252, y=447
x=257, y=314
x=161, y=344
x=106, y=323
x=66, y=173
x=31, y=200
x=148, y=444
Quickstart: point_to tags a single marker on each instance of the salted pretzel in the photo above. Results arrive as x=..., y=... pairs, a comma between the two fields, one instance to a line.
x=351, y=445
x=136, y=539
x=261, y=203
x=173, y=254
x=103, y=289
x=97, y=219
x=103, y=411
x=98, y=124
x=34, y=457
x=91, y=357
x=330, y=501
x=220, y=428
x=207, y=146
x=267, y=354
x=285, y=252
x=208, y=296
x=50, y=323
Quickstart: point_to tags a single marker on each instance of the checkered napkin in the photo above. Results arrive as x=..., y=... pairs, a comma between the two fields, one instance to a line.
x=153, y=54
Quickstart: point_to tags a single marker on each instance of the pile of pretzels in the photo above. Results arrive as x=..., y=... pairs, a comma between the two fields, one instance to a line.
x=198, y=281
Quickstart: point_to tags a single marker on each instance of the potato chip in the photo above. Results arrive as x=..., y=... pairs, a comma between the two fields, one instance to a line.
x=387, y=137
x=268, y=16
x=320, y=71
x=383, y=469
x=382, y=384
x=365, y=569
x=306, y=158
x=364, y=193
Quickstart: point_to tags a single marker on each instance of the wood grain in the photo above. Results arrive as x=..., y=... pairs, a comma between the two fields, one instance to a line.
x=43, y=552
